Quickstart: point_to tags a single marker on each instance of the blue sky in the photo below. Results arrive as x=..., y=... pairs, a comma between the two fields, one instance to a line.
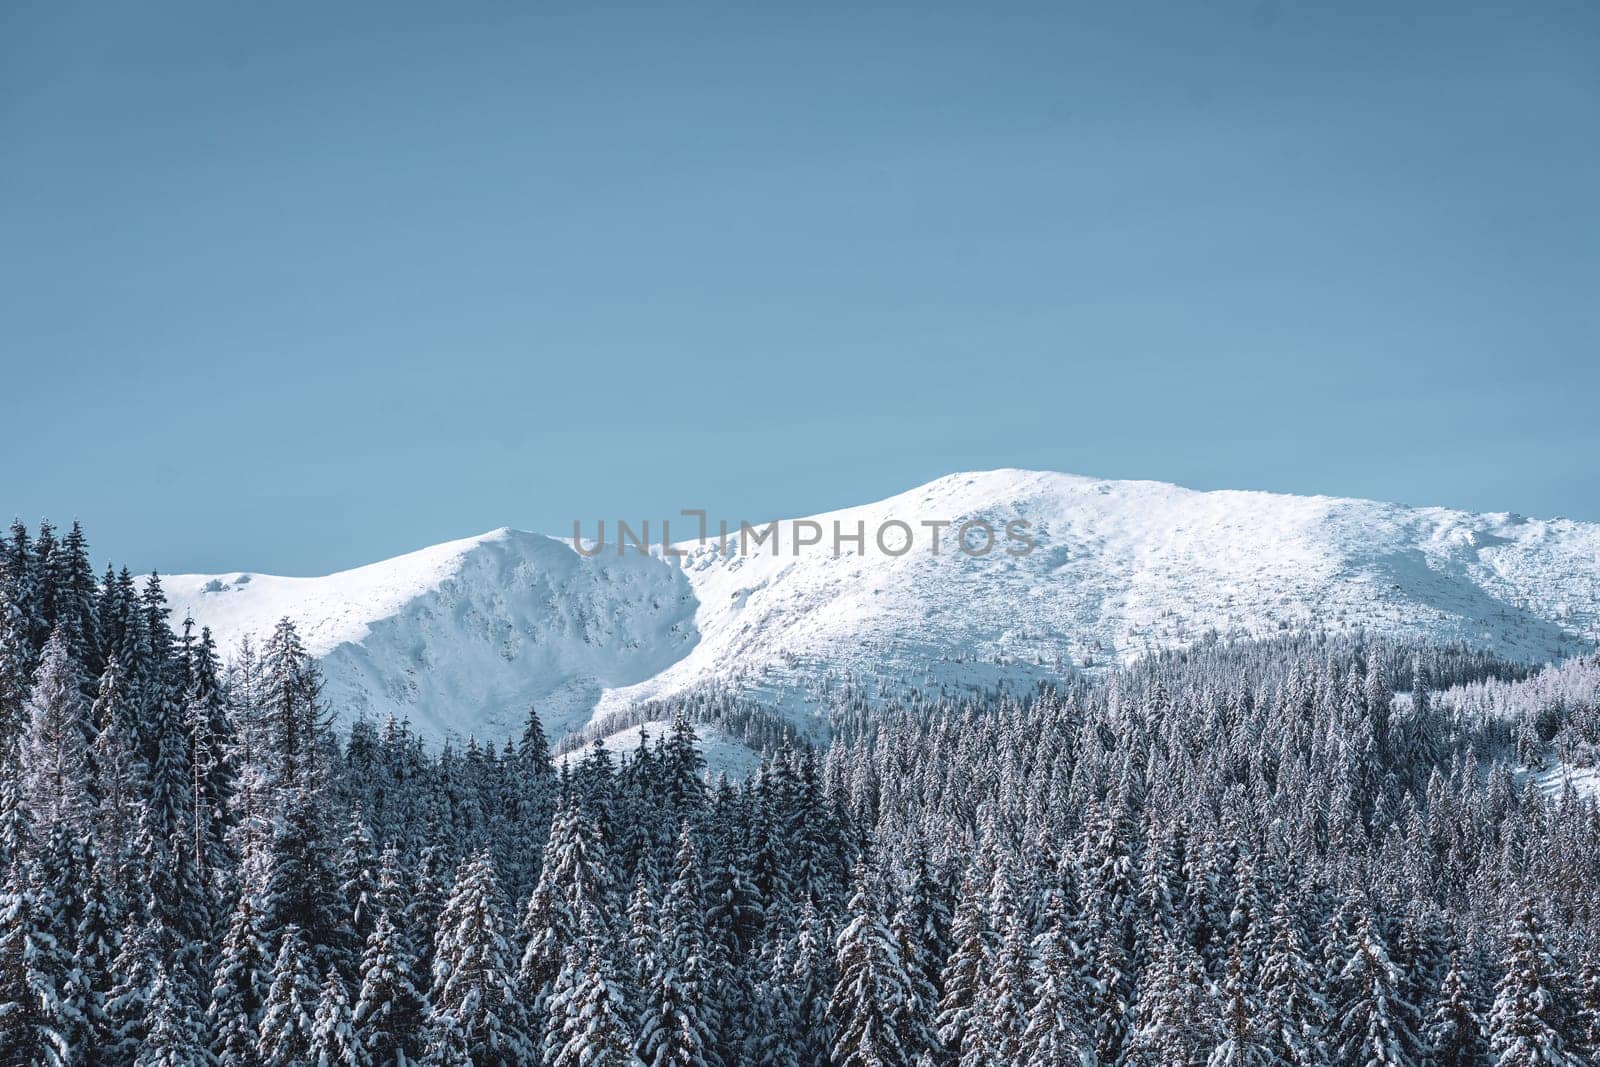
x=290, y=287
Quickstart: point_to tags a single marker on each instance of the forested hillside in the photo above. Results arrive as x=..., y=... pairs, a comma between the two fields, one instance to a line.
x=1309, y=851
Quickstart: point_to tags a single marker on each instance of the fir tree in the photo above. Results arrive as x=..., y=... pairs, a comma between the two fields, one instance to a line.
x=174, y=1029
x=1177, y=1021
x=239, y=987
x=358, y=878
x=963, y=974
x=472, y=987
x=573, y=880
x=35, y=1020
x=1242, y=1044
x=872, y=989
x=333, y=1039
x=56, y=748
x=128, y=1003
x=1526, y=1028
x=1455, y=1035
x=289, y=1013
x=302, y=887
x=1373, y=1026
x=588, y=1019
x=390, y=1014
x=1055, y=1034
x=1293, y=1005
x=675, y=1028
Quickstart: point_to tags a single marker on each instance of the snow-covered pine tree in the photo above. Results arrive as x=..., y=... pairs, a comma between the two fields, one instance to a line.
x=921, y=929
x=75, y=600
x=213, y=773
x=1056, y=1035
x=296, y=726
x=302, y=888
x=811, y=979
x=1178, y=1019
x=588, y=1020
x=675, y=1026
x=872, y=989
x=573, y=879
x=639, y=962
x=1454, y=1031
x=963, y=975
x=333, y=1039
x=289, y=1014
x=36, y=1021
x=1587, y=1022
x=1243, y=1043
x=95, y=946
x=1373, y=1026
x=472, y=988
x=119, y=772
x=240, y=981
x=55, y=752
x=358, y=877
x=127, y=1005
x=174, y=1028
x=1526, y=1027
x=1294, y=1010
x=390, y=1015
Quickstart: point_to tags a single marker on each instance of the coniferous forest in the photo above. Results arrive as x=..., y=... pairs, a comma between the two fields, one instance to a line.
x=1306, y=851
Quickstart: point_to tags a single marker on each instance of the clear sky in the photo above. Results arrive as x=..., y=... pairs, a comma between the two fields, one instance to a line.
x=294, y=286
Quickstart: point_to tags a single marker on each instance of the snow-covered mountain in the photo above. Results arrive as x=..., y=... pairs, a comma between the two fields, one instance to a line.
x=461, y=637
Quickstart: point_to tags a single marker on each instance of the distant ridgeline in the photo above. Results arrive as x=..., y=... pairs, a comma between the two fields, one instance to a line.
x=1310, y=850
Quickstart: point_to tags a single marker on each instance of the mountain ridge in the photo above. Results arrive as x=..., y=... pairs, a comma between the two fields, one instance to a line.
x=460, y=637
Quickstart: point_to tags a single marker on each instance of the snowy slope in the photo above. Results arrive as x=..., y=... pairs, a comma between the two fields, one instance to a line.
x=461, y=636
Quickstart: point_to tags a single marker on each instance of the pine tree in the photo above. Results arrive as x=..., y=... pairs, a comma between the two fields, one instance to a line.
x=1242, y=1043
x=447, y=1045
x=390, y=1014
x=1455, y=1034
x=239, y=989
x=921, y=930
x=71, y=578
x=1293, y=1005
x=1373, y=1025
x=302, y=887
x=962, y=977
x=56, y=748
x=811, y=978
x=128, y=1003
x=1056, y=1035
x=1177, y=1021
x=358, y=878
x=1526, y=1028
x=1588, y=1019
x=333, y=1039
x=588, y=1019
x=472, y=988
x=119, y=771
x=213, y=772
x=95, y=947
x=675, y=1028
x=289, y=1016
x=872, y=990
x=573, y=880
x=174, y=1029
x=296, y=724
x=682, y=768
x=1007, y=994
x=35, y=1021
